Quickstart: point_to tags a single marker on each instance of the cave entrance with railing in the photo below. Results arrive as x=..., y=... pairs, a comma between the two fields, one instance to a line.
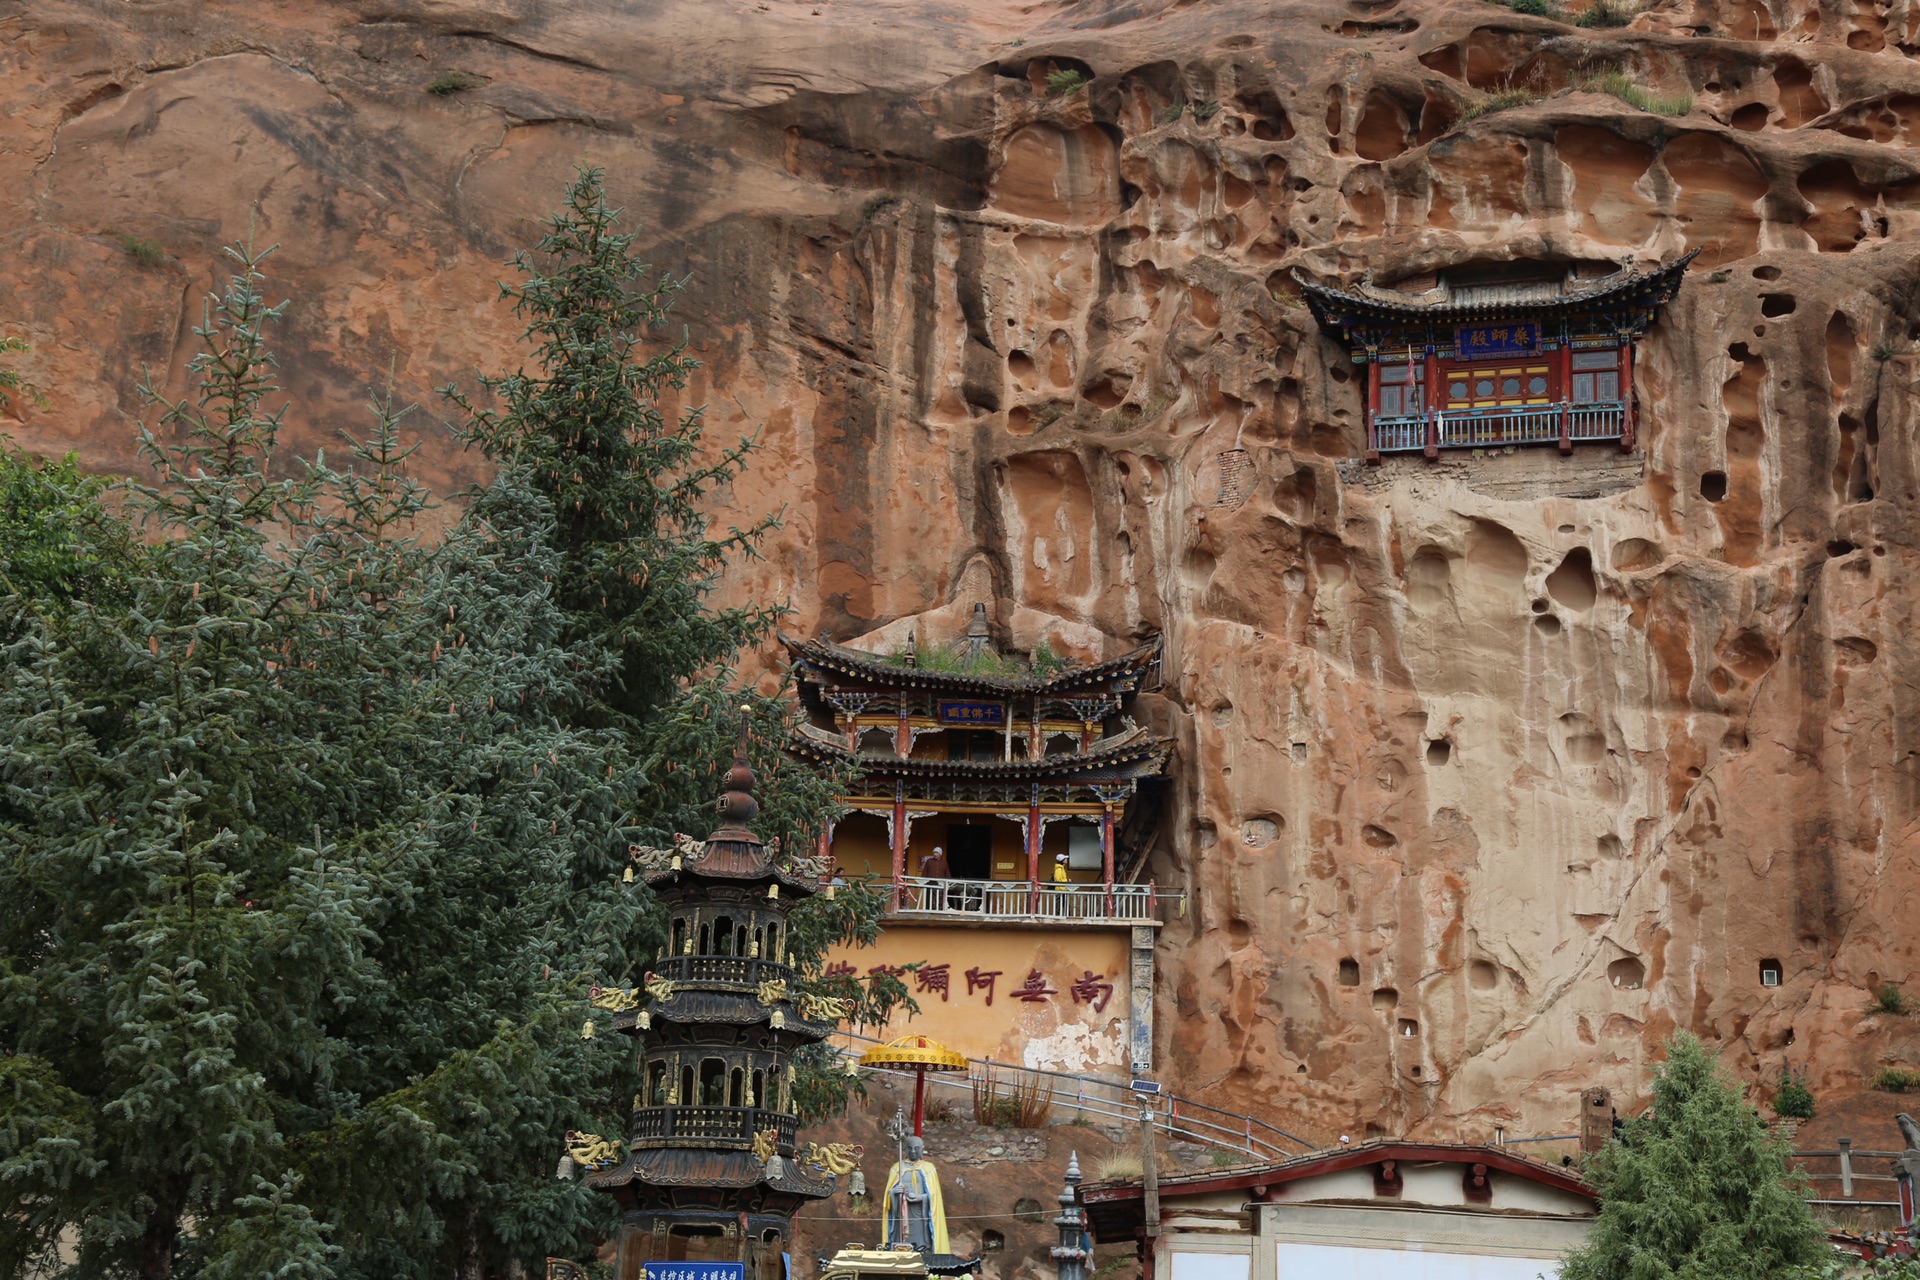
x=1008, y=804
x=1522, y=354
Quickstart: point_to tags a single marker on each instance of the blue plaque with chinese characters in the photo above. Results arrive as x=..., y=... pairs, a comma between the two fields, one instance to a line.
x=696, y=1271
x=1496, y=341
x=986, y=715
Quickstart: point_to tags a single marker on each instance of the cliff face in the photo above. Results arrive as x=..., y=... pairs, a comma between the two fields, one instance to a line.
x=1491, y=772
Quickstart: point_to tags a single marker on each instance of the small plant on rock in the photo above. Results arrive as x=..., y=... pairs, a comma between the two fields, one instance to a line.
x=147, y=253
x=1884, y=352
x=1889, y=998
x=1173, y=113
x=1206, y=110
x=1895, y=1080
x=445, y=86
x=1793, y=1100
x=1066, y=81
x=1608, y=13
x=1500, y=100
x=1619, y=84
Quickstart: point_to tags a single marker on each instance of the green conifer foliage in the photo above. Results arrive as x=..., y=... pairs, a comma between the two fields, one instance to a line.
x=1697, y=1188
x=302, y=875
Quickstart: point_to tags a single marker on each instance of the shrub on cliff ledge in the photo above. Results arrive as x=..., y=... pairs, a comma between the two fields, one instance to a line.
x=1695, y=1189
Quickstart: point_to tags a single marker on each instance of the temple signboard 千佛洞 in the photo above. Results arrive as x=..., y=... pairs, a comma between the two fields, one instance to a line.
x=961, y=712
x=1496, y=341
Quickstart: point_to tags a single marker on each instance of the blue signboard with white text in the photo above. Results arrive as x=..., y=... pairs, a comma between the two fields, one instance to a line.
x=696, y=1271
x=983, y=714
x=1496, y=341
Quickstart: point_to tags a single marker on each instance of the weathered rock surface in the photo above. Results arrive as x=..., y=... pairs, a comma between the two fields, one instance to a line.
x=1492, y=772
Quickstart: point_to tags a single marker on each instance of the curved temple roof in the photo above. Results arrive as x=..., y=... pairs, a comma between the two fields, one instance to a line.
x=1338, y=308
x=826, y=657
x=1131, y=754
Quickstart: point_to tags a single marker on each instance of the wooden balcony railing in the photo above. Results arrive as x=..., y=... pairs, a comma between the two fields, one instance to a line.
x=921, y=897
x=1562, y=424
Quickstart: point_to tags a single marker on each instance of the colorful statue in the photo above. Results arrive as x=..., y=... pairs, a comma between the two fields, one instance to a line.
x=916, y=1215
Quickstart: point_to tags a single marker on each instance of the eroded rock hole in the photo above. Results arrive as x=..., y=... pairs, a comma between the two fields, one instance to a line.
x=1572, y=584
x=1483, y=975
x=1770, y=973
x=1439, y=751
x=1349, y=972
x=1378, y=837
x=1385, y=998
x=1627, y=973
x=1408, y=1028
x=1713, y=486
x=1636, y=553
x=1773, y=305
x=1258, y=833
x=1766, y=273
x=1609, y=846
x=1547, y=624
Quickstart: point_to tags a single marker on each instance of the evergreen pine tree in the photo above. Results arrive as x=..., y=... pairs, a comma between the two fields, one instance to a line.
x=1697, y=1188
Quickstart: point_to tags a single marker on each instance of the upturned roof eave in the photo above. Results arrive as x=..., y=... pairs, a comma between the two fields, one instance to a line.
x=1322, y=298
x=827, y=655
x=1152, y=751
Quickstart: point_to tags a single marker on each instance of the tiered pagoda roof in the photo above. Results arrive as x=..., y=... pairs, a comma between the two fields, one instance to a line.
x=692, y=999
x=1133, y=753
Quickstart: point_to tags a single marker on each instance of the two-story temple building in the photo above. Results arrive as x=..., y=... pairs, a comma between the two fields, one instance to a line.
x=1010, y=808
x=1516, y=355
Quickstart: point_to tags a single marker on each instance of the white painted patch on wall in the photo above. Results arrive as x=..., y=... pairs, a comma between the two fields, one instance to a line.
x=1338, y=1262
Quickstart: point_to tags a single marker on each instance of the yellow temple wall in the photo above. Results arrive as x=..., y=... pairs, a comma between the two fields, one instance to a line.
x=1057, y=1032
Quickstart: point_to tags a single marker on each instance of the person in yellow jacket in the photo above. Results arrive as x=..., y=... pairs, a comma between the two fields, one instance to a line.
x=916, y=1215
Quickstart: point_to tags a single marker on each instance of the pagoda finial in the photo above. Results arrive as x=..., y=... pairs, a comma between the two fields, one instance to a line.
x=738, y=806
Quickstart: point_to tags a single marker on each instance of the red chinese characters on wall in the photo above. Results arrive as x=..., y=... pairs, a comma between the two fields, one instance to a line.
x=931, y=979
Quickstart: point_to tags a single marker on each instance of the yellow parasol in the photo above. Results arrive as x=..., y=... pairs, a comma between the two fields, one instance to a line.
x=918, y=1054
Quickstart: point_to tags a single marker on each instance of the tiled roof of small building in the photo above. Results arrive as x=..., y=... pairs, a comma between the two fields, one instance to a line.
x=1624, y=287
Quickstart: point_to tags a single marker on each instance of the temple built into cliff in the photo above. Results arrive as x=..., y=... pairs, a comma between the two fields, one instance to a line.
x=1010, y=806
x=1497, y=357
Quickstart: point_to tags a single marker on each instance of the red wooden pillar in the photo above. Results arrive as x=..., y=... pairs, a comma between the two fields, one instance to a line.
x=902, y=735
x=1033, y=853
x=1566, y=395
x=1106, y=851
x=825, y=853
x=899, y=845
x=1087, y=728
x=1628, y=427
x=1373, y=406
x=1432, y=397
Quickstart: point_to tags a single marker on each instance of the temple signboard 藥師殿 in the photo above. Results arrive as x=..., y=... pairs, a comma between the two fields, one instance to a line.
x=1502, y=360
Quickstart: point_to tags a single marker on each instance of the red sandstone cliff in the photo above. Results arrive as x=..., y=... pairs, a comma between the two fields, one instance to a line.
x=1555, y=752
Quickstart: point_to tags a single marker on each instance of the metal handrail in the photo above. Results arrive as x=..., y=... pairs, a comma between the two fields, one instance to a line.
x=1232, y=1131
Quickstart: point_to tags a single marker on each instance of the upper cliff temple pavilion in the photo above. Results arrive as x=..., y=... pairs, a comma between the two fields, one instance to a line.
x=1015, y=801
x=1515, y=355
